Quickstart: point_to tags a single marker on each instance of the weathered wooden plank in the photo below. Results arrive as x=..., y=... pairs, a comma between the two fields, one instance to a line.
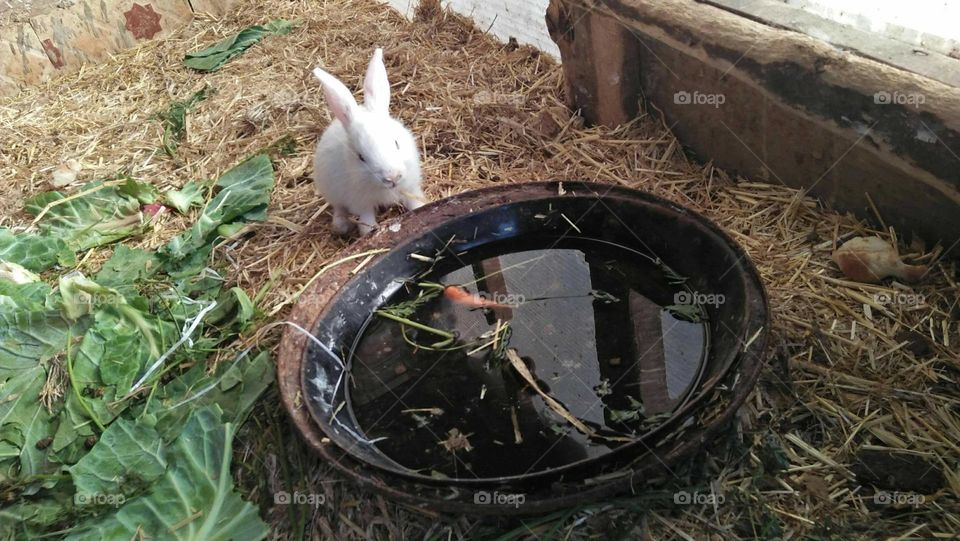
x=494, y=282
x=89, y=31
x=601, y=62
x=779, y=105
x=648, y=343
x=22, y=59
x=926, y=55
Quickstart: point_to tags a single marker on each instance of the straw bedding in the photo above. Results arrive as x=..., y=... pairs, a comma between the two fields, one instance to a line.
x=848, y=371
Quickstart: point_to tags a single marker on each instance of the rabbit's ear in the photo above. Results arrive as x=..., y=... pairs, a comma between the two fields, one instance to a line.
x=376, y=88
x=339, y=98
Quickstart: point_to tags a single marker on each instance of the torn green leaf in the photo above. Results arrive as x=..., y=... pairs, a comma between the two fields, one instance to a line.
x=214, y=57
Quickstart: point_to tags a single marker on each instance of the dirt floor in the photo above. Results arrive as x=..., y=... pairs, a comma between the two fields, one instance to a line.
x=849, y=372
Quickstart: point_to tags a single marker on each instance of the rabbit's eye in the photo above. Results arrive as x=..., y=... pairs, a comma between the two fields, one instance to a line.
x=398, y=144
x=361, y=157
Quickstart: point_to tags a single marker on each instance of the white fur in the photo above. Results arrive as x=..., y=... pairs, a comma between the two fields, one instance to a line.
x=390, y=172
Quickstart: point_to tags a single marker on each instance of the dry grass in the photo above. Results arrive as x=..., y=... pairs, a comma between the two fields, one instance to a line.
x=848, y=372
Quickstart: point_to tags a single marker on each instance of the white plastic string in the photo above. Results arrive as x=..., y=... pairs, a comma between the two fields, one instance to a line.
x=210, y=387
x=189, y=327
x=207, y=271
x=343, y=370
x=343, y=366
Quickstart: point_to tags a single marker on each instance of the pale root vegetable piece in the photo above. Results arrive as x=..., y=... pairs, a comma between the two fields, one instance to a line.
x=65, y=174
x=871, y=259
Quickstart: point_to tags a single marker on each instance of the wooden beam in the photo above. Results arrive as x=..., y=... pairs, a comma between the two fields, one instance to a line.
x=647, y=336
x=778, y=105
x=601, y=63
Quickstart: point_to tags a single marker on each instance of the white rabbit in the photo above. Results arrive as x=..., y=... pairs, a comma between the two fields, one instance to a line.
x=365, y=159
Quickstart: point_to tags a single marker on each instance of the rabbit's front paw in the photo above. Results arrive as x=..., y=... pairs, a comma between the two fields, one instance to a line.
x=367, y=222
x=412, y=204
x=341, y=222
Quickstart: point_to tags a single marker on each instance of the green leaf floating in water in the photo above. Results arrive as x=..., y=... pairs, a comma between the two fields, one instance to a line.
x=194, y=499
x=215, y=56
x=245, y=193
x=687, y=312
x=104, y=214
x=34, y=252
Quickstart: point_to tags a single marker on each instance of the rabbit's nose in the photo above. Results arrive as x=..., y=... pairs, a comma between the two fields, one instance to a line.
x=393, y=176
